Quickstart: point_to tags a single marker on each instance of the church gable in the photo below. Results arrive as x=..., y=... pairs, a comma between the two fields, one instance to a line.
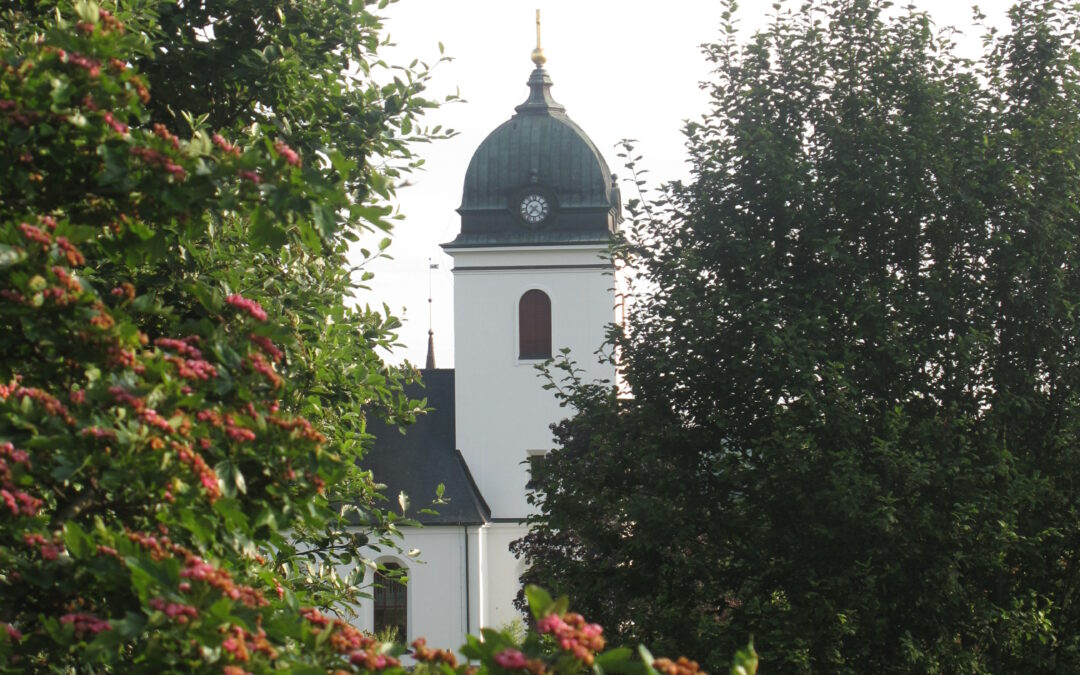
x=425, y=456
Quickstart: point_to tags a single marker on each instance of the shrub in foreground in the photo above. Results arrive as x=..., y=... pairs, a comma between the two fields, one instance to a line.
x=152, y=446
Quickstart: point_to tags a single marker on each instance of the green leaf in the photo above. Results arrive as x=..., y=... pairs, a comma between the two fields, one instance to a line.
x=229, y=509
x=222, y=611
x=78, y=543
x=614, y=660
x=540, y=602
x=647, y=660
x=130, y=626
x=10, y=256
x=325, y=219
x=266, y=231
x=746, y=661
x=238, y=480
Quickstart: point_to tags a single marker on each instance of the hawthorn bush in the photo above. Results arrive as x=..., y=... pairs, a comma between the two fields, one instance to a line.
x=308, y=75
x=152, y=454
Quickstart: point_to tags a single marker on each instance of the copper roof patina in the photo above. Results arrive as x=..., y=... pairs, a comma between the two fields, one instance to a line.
x=538, y=149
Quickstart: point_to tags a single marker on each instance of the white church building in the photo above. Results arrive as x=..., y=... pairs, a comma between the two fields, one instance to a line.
x=531, y=277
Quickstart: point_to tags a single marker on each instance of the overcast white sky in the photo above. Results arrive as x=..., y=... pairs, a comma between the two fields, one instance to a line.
x=622, y=68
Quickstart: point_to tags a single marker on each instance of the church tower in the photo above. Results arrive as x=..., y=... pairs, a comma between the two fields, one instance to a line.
x=531, y=277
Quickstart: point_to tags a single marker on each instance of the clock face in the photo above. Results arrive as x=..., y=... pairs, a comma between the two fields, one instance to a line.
x=534, y=209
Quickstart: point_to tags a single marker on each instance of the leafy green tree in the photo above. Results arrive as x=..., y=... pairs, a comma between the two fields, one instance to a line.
x=852, y=364
x=310, y=70
x=309, y=76
x=183, y=387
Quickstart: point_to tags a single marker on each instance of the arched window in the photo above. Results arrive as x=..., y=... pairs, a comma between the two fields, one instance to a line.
x=534, y=325
x=391, y=603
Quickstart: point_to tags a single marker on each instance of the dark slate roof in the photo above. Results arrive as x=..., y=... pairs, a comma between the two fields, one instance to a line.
x=424, y=456
x=547, y=150
x=541, y=150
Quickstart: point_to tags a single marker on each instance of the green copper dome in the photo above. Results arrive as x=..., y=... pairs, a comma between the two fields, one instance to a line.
x=537, y=152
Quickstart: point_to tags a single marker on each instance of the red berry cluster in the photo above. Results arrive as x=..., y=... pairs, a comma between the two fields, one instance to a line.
x=18, y=501
x=164, y=134
x=300, y=427
x=237, y=433
x=682, y=666
x=85, y=623
x=148, y=415
x=363, y=650
x=185, y=347
x=36, y=234
x=242, y=643
x=225, y=146
x=126, y=291
x=155, y=158
x=198, y=465
x=50, y=550
x=267, y=346
x=117, y=126
x=512, y=659
x=574, y=635
x=192, y=369
x=197, y=569
x=260, y=365
x=288, y=153
x=174, y=610
x=90, y=65
x=253, y=308
x=50, y=403
x=421, y=652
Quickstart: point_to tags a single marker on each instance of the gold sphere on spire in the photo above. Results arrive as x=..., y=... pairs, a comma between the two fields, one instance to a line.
x=538, y=54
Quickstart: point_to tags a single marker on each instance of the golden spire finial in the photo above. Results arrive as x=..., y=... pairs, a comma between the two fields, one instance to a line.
x=538, y=54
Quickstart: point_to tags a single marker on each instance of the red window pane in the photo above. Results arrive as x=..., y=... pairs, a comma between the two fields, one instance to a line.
x=534, y=325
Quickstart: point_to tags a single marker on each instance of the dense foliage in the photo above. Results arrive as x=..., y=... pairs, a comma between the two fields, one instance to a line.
x=183, y=387
x=309, y=70
x=853, y=363
x=294, y=88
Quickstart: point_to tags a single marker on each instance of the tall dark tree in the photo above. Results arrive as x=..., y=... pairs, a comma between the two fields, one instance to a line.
x=852, y=362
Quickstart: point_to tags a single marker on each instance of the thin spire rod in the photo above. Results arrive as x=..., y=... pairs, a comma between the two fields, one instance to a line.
x=538, y=54
x=430, y=361
x=430, y=325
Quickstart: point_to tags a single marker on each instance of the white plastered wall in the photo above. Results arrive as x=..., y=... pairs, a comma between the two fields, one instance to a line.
x=437, y=584
x=503, y=411
x=438, y=588
x=503, y=415
x=503, y=574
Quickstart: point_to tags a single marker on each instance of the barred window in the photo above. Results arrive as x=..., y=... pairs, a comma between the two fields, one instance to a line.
x=391, y=603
